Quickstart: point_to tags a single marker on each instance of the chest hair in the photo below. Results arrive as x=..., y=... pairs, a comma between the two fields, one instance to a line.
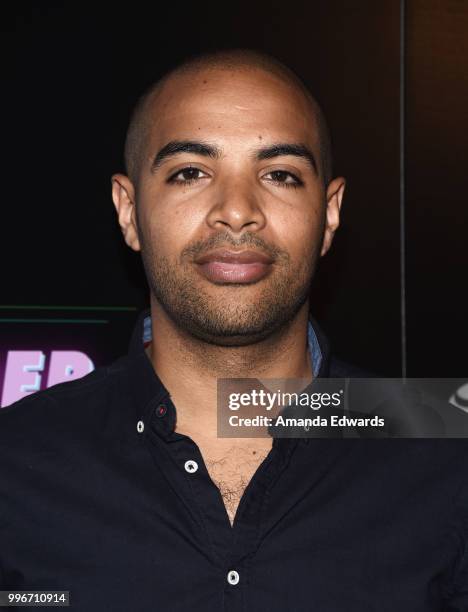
x=232, y=473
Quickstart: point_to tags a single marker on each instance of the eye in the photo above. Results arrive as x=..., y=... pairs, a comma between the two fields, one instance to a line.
x=187, y=175
x=283, y=178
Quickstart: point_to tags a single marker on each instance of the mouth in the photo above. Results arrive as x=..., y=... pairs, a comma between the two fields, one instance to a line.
x=239, y=267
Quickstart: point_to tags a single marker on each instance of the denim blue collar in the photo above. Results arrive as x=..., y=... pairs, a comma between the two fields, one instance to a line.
x=314, y=347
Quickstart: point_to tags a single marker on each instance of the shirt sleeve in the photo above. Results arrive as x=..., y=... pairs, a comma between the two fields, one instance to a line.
x=458, y=600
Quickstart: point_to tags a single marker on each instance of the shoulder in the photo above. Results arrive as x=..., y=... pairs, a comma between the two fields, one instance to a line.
x=438, y=457
x=65, y=407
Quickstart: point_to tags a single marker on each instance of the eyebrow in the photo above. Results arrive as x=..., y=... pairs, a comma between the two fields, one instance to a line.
x=184, y=146
x=296, y=150
x=209, y=150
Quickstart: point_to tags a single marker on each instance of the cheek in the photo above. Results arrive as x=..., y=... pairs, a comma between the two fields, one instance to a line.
x=171, y=227
x=301, y=232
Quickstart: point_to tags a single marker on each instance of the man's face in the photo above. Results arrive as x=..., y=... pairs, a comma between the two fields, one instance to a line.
x=237, y=187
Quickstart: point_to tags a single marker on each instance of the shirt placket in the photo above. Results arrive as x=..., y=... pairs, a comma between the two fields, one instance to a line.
x=230, y=548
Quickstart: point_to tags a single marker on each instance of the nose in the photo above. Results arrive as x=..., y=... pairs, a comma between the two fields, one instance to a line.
x=237, y=206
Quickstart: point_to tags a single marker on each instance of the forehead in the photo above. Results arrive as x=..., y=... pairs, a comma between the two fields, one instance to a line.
x=237, y=106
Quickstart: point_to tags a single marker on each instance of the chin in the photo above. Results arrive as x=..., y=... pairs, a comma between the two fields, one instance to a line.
x=224, y=333
x=230, y=339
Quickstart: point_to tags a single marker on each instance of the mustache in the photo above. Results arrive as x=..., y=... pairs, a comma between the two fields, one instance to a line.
x=225, y=239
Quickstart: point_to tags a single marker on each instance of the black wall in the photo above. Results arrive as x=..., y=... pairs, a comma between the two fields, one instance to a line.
x=437, y=187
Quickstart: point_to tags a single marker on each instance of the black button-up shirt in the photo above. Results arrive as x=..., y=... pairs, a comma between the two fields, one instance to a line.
x=101, y=497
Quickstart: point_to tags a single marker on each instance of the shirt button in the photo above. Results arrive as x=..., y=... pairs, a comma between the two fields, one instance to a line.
x=161, y=410
x=140, y=427
x=233, y=577
x=191, y=466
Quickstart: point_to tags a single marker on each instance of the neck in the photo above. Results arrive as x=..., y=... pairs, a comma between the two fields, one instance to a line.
x=189, y=368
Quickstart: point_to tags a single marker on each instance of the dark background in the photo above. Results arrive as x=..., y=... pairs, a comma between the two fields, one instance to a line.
x=74, y=71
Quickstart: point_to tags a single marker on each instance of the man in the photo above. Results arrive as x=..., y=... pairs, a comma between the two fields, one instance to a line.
x=116, y=487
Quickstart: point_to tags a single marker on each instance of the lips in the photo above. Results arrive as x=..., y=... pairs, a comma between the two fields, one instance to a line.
x=241, y=267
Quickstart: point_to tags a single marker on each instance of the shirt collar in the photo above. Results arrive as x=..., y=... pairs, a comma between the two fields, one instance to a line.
x=148, y=391
x=313, y=343
x=318, y=344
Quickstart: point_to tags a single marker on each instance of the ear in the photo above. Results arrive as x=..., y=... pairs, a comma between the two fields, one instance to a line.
x=335, y=192
x=123, y=196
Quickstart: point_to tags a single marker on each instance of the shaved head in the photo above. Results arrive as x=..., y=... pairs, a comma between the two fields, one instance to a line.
x=141, y=120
